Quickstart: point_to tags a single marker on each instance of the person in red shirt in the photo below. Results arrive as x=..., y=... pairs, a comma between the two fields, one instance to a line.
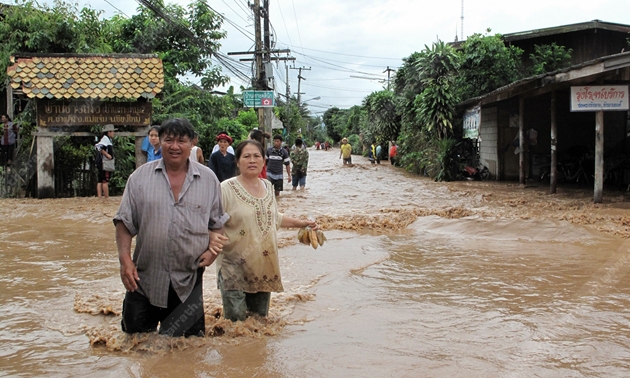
x=260, y=136
x=393, y=151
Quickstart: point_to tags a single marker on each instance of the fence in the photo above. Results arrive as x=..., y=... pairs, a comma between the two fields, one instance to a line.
x=20, y=179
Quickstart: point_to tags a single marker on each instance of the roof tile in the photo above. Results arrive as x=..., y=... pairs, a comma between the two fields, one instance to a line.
x=88, y=76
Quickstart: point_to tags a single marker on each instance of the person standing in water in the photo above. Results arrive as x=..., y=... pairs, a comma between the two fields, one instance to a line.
x=345, y=152
x=299, y=159
x=173, y=208
x=248, y=269
x=105, y=150
x=277, y=157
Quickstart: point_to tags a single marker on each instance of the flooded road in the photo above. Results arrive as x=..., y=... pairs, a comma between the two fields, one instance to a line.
x=417, y=279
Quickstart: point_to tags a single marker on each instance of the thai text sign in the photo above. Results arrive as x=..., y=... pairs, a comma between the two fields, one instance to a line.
x=472, y=118
x=596, y=98
x=258, y=99
x=92, y=112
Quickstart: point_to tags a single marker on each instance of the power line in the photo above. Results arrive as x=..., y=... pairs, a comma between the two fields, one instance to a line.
x=357, y=56
x=297, y=26
x=118, y=9
x=224, y=60
x=284, y=22
x=339, y=89
x=243, y=6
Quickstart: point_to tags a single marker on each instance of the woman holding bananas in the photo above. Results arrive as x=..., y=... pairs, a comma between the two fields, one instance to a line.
x=248, y=268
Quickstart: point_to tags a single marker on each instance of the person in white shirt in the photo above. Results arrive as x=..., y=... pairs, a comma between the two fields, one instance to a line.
x=196, y=154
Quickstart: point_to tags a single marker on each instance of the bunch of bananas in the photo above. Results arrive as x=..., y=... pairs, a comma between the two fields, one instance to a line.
x=308, y=236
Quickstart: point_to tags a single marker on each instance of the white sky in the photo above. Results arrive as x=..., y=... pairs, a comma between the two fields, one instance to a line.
x=340, y=38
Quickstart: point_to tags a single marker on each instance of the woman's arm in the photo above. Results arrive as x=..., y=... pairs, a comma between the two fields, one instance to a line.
x=290, y=222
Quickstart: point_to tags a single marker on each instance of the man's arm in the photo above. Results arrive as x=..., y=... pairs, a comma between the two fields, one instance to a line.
x=288, y=165
x=128, y=271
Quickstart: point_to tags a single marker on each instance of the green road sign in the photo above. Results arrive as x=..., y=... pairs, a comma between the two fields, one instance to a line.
x=258, y=99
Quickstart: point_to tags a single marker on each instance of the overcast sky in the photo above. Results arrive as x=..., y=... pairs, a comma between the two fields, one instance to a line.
x=338, y=39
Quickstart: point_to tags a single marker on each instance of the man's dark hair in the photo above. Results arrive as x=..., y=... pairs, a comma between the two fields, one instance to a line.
x=277, y=136
x=298, y=142
x=177, y=127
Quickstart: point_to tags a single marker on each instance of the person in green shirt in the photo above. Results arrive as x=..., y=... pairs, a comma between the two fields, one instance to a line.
x=299, y=158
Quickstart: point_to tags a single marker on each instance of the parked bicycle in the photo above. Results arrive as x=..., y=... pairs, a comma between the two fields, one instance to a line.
x=570, y=170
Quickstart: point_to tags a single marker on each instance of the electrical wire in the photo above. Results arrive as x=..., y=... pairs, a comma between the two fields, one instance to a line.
x=236, y=13
x=357, y=56
x=118, y=9
x=222, y=58
x=284, y=22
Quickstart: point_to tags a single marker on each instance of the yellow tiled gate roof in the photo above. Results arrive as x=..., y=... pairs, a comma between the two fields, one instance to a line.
x=59, y=76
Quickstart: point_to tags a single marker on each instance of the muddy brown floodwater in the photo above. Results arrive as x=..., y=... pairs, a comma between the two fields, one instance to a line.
x=463, y=279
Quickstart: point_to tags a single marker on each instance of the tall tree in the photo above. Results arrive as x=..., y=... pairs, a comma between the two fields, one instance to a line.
x=487, y=64
x=435, y=106
x=382, y=115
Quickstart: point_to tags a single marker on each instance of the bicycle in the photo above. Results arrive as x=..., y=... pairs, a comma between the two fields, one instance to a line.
x=572, y=171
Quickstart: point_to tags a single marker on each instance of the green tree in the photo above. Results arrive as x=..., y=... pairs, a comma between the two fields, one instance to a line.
x=487, y=64
x=333, y=119
x=435, y=106
x=29, y=27
x=549, y=58
x=382, y=115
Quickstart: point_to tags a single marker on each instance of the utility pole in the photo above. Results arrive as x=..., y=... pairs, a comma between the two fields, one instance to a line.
x=262, y=58
x=260, y=74
x=388, y=70
x=267, y=112
x=300, y=78
x=288, y=94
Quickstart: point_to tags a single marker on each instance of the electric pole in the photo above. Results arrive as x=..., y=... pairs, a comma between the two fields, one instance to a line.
x=300, y=78
x=288, y=94
x=267, y=112
x=262, y=58
x=388, y=70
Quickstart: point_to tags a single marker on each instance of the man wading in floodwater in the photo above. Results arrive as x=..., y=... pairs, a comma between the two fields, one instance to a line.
x=174, y=209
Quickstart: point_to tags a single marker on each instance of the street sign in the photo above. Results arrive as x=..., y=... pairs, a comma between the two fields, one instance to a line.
x=258, y=99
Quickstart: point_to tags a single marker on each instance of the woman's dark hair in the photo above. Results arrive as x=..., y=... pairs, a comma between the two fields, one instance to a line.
x=239, y=149
x=177, y=127
x=154, y=127
x=258, y=136
x=298, y=142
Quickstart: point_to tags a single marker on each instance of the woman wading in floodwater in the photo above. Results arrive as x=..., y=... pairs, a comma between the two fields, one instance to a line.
x=248, y=269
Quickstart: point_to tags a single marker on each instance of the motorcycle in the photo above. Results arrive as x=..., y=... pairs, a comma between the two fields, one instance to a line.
x=480, y=172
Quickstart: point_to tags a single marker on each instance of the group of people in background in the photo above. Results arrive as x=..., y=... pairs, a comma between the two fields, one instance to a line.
x=375, y=152
x=222, y=160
